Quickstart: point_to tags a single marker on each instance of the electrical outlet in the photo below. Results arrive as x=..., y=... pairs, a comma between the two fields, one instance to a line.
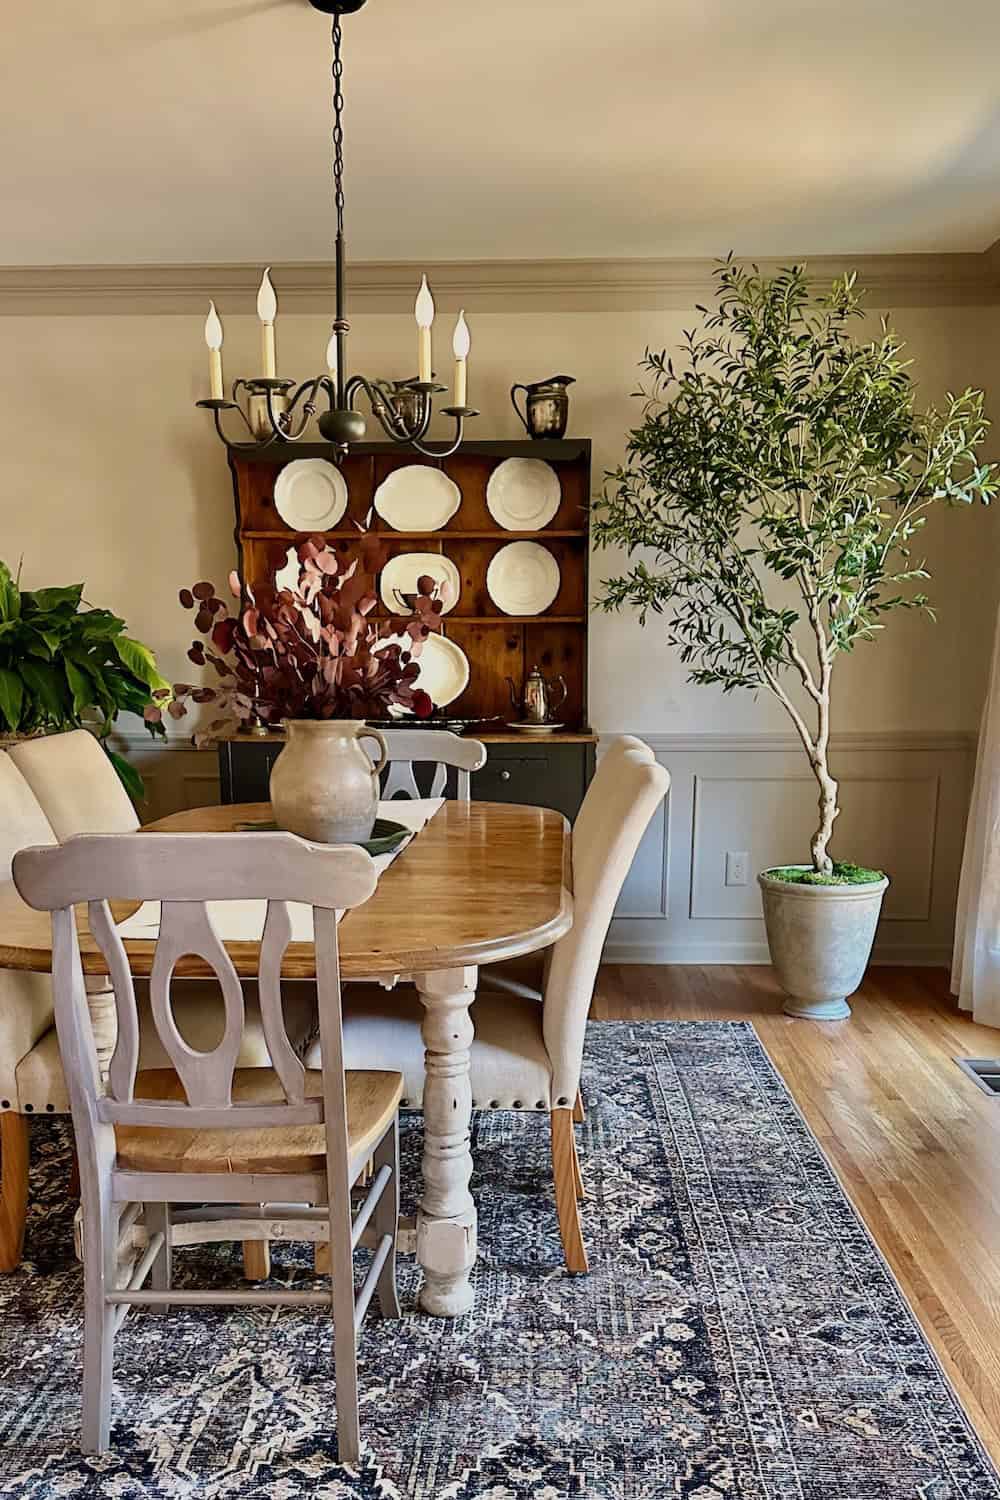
x=737, y=866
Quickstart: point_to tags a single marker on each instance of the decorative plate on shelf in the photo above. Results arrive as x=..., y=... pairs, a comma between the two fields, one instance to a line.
x=310, y=494
x=416, y=498
x=444, y=668
x=523, y=494
x=523, y=578
x=400, y=574
x=287, y=576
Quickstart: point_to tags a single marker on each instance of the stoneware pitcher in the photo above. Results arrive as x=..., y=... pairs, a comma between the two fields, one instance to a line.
x=324, y=786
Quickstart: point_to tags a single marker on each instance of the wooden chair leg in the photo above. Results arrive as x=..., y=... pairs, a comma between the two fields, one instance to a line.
x=579, y=1114
x=385, y=1219
x=100, y=1258
x=256, y=1260
x=345, y=1345
x=157, y=1220
x=580, y=1190
x=13, y=1187
x=321, y=1258
x=563, y=1158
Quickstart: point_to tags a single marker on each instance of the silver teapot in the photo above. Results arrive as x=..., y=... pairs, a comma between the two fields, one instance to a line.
x=537, y=703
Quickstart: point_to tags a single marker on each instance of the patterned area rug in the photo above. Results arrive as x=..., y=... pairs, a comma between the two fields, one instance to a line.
x=738, y=1338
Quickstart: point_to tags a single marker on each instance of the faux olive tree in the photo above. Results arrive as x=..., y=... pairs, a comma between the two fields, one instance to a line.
x=770, y=499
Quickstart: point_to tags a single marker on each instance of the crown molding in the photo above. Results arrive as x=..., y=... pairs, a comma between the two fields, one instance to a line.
x=493, y=286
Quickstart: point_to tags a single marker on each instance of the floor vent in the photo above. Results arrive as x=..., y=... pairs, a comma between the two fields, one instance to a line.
x=984, y=1072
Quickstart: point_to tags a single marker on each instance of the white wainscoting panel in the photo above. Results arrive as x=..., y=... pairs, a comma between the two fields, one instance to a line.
x=904, y=802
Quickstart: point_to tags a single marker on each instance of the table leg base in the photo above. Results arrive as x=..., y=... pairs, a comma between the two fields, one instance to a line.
x=446, y=1250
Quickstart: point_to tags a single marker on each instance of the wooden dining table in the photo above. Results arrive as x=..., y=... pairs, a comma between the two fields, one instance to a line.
x=480, y=883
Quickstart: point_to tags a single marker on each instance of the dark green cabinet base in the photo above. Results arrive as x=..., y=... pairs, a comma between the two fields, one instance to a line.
x=549, y=773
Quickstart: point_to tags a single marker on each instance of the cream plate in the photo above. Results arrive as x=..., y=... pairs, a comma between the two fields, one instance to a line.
x=287, y=576
x=417, y=498
x=310, y=494
x=444, y=668
x=523, y=494
x=400, y=574
x=523, y=578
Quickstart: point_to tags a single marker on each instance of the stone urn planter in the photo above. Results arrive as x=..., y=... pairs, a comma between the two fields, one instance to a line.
x=324, y=786
x=820, y=937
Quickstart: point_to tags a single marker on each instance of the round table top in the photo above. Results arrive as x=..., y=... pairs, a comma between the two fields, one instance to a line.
x=481, y=882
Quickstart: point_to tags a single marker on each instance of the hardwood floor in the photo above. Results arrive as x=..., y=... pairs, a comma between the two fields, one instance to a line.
x=915, y=1143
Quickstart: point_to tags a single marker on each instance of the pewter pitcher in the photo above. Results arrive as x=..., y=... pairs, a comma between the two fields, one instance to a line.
x=546, y=404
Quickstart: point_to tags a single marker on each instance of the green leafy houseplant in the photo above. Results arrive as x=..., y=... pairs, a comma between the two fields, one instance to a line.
x=61, y=665
x=771, y=496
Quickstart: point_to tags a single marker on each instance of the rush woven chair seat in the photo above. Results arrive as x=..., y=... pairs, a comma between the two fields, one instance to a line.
x=372, y=1100
x=206, y=1132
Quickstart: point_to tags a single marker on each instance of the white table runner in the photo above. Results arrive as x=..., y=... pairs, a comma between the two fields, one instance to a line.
x=243, y=921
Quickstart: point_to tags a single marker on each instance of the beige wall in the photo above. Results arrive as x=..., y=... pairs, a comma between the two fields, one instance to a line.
x=112, y=476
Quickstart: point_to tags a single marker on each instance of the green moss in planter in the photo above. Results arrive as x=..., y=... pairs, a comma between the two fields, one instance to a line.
x=843, y=874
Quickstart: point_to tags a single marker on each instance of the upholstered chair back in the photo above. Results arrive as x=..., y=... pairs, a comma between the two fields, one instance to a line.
x=22, y=821
x=76, y=784
x=626, y=790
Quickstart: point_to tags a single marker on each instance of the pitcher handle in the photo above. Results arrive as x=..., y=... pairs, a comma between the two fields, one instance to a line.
x=513, y=402
x=369, y=733
x=562, y=683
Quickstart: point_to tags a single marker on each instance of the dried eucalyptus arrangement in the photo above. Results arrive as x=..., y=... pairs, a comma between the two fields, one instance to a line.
x=315, y=651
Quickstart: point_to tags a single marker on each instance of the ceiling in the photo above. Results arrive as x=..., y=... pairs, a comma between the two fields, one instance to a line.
x=198, y=130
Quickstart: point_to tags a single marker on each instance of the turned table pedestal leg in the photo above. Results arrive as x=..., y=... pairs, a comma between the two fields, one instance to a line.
x=446, y=1219
x=103, y=1020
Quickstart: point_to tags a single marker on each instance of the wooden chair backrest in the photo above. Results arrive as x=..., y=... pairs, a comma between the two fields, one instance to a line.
x=76, y=784
x=441, y=748
x=22, y=821
x=627, y=788
x=184, y=872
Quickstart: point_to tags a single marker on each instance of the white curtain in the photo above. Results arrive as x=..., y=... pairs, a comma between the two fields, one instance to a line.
x=975, y=974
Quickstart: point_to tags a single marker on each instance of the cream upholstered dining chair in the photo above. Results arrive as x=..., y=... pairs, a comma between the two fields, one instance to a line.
x=25, y=1017
x=441, y=748
x=76, y=784
x=528, y=1052
x=204, y=1131
x=82, y=793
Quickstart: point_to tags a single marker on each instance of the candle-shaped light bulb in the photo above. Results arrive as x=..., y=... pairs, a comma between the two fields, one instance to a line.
x=461, y=344
x=213, y=338
x=267, y=311
x=331, y=358
x=424, y=314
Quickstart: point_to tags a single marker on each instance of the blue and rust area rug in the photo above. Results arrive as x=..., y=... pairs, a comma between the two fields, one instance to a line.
x=739, y=1337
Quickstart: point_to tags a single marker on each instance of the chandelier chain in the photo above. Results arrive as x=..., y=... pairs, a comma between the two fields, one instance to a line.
x=338, y=126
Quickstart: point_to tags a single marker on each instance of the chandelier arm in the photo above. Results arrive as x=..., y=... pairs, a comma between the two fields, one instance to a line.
x=253, y=446
x=449, y=449
x=308, y=410
x=380, y=408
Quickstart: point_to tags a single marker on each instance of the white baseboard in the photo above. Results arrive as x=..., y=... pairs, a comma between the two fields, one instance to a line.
x=930, y=956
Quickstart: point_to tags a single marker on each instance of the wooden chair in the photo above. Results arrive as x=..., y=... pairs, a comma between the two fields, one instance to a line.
x=528, y=1050
x=83, y=795
x=409, y=747
x=75, y=783
x=208, y=1132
